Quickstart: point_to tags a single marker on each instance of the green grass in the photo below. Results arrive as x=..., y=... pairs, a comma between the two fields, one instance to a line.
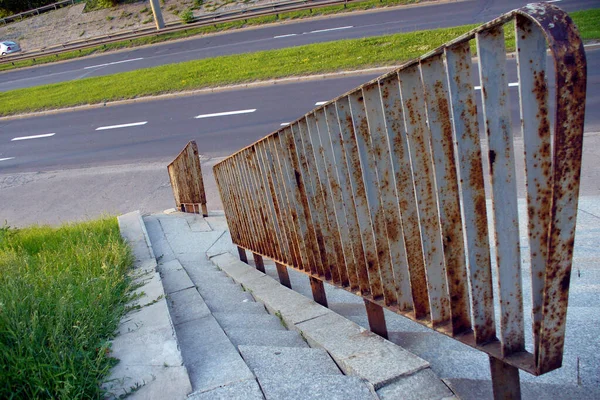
x=159, y=38
x=62, y=293
x=295, y=61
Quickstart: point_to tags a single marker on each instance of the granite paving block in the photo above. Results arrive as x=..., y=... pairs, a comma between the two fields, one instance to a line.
x=472, y=389
x=149, y=345
x=239, y=271
x=310, y=387
x=133, y=231
x=223, y=290
x=217, y=223
x=244, y=390
x=423, y=385
x=155, y=315
x=173, y=223
x=269, y=361
x=151, y=291
x=174, y=281
x=209, y=356
x=148, y=382
x=253, y=321
x=168, y=266
x=293, y=307
x=222, y=245
x=264, y=337
x=358, y=351
x=160, y=245
x=196, y=222
x=192, y=242
x=237, y=307
x=186, y=305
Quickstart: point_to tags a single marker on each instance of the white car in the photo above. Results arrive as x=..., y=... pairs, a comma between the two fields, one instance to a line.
x=8, y=47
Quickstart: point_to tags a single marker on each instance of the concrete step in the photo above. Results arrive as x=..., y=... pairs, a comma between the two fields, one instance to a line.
x=264, y=337
x=250, y=321
x=310, y=387
x=236, y=307
x=271, y=361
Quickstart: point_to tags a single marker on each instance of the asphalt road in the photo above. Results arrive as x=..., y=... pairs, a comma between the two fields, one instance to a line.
x=162, y=127
x=355, y=25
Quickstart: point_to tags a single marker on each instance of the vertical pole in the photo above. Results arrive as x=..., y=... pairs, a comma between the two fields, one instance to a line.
x=318, y=291
x=258, y=261
x=204, y=209
x=158, y=18
x=505, y=380
x=376, y=319
x=284, y=277
x=242, y=253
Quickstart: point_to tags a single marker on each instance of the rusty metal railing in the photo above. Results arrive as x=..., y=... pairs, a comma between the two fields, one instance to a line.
x=186, y=180
x=381, y=191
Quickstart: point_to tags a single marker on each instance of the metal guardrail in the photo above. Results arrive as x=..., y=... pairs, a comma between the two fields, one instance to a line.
x=185, y=174
x=381, y=192
x=37, y=11
x=210, y=19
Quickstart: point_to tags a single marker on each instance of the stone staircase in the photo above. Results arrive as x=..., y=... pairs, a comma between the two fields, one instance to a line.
x=231, y=346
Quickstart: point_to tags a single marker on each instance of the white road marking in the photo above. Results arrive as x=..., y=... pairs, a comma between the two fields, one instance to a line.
x=113, y=63
x=512, y=84
x=32, y=137
x=103, y=128
x=282, y=36
x=7, y=158
x=320, y=103
x=332, y=29
x=552, y=1
x=221, y=114
x=284, y=124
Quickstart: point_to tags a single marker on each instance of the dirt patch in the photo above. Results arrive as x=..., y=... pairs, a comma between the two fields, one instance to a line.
x=71, y=23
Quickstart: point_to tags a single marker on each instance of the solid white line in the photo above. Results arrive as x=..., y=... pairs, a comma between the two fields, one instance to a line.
x=103, y=128
x=552, y=1
x=280, y=36
x=7, y=158
x=320, y=103
x=32, y=137
x=512, y=84
x=221, y=114
x=113, y=63
x=284, y=124
x=331, y=29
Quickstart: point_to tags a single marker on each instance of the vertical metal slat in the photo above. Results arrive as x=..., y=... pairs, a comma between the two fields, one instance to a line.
x=496, y=110
x=466, y=132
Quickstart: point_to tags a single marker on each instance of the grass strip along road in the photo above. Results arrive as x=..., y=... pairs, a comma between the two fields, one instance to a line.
x=295, y=61
x=218, y=27
x=62, y=293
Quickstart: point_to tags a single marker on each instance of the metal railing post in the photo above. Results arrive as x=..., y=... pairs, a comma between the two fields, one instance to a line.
x=505, y=380
x=376, y=318
x=284, y=277
x=258, y=262
x=318, y=291
x=242, y=254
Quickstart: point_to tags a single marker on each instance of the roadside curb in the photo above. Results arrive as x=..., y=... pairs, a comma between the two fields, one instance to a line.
x=389, y=369
x=150, y=362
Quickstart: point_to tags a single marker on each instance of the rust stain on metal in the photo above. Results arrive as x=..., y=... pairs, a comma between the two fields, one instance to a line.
x=298, y=234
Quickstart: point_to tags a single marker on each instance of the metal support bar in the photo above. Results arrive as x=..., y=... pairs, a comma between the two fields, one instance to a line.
x=376, y=319
x=318, y=291
x=505, y=380
x=258, y=261
x=242, y=253
x=284, y=277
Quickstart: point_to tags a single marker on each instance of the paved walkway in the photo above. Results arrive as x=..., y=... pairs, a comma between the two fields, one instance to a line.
x=243, y=335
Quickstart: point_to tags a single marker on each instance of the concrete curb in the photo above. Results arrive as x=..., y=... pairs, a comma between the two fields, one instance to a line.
x=390, y=369
x=151, y=365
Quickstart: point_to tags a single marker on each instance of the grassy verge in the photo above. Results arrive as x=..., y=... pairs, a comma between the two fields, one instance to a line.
x=62, y=293
x=296, y=61
x=363, y=5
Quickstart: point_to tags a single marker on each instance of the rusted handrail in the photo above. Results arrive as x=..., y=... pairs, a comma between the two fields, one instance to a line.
x=186, y=180
x=381, y=191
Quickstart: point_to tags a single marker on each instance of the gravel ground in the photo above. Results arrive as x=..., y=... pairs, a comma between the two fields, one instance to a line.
x=72, y=23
